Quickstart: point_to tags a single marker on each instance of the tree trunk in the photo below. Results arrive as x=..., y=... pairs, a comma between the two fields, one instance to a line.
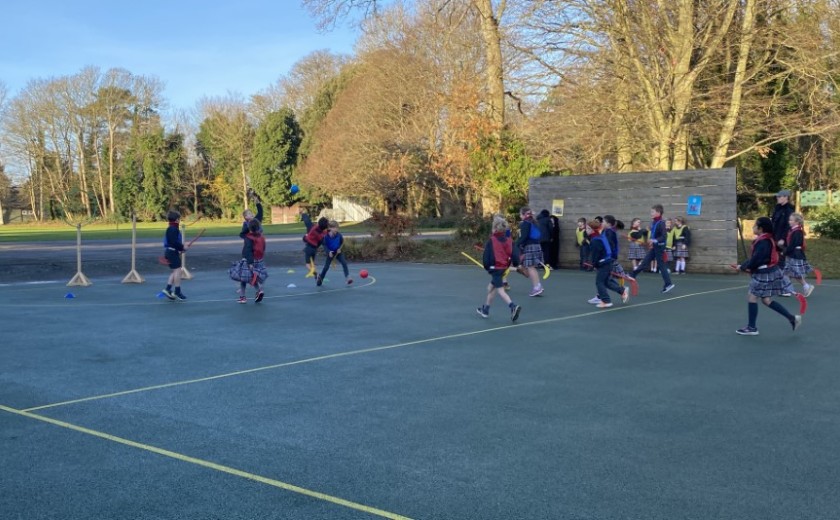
x=101, y=198
x=83, y=187
x=111, y=142
x=728, y=127
x=493, y=51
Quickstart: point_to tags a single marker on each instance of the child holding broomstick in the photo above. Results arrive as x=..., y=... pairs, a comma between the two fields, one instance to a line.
x=312, y=241
x=499, y=255
x=333, y=241
x=767, y=279
x=173, y=245
x=796, y=265
x=529, y=245
x=253, y=252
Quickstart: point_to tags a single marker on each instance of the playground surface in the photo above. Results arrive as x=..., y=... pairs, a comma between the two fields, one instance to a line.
x=392, y=398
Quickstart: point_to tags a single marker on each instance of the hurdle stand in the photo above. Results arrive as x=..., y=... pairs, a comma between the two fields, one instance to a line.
x=79, y=279
x=185, y=274
x=133, y=276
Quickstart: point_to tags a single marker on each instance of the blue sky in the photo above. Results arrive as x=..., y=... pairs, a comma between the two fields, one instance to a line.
x=196, y=48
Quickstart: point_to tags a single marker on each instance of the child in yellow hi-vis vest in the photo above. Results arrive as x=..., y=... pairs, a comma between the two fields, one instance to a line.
x=638, y=238
x=582, y=241
x=682, y=241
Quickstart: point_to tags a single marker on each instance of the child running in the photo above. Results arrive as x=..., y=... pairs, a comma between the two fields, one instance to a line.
x=682, y=239
x=767, y=278
x=529, y=246
x=657, y=248
x=499, y=255
x=796, y=264
x=312, y=240
x=603, y=259
x=333, y=241
x=253, y=251
x=173, y=245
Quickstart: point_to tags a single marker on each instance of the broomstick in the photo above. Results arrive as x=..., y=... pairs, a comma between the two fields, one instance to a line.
x=634, y=285
x=164, y=261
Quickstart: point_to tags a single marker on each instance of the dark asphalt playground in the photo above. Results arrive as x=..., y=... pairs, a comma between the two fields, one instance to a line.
x=393, y=398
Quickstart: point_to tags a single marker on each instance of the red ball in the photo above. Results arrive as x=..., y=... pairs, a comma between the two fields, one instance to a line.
x=363, y=273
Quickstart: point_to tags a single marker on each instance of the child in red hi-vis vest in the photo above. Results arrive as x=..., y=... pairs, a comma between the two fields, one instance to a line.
x=499, y=255
x=796, y=263
x=767, y=279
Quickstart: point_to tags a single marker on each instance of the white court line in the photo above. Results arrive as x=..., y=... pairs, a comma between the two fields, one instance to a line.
x=372, y=349
x=190, y=301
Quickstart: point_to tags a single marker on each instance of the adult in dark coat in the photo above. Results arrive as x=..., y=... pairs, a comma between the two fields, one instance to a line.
x=781, y=222
x=554, y=251
x=546, y=229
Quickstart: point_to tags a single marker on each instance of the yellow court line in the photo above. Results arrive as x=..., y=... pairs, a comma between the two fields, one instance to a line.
x=371, y=349
x=211, y=465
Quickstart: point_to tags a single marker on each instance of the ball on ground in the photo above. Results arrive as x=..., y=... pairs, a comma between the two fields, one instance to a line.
x=363, y=273
x=294, y=189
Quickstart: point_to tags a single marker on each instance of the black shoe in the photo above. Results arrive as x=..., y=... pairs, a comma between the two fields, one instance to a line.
x=259, y=297
x=514, y=313
x=180, y=296
x=318, y=280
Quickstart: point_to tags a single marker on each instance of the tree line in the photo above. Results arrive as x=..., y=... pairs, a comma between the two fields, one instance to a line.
x=451, y=105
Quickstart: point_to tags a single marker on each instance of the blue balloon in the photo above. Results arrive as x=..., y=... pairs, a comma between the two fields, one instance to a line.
x=295, y=189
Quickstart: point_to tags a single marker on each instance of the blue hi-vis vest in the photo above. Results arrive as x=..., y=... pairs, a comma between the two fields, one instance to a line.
x=617, y=246
x=653, y=226
x=534, y=233
x=606, y=243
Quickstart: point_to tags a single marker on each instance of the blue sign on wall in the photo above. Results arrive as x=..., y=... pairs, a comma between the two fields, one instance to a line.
x=695, y=203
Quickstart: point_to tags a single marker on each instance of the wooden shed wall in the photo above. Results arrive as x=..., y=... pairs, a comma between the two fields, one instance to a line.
x=714, y=233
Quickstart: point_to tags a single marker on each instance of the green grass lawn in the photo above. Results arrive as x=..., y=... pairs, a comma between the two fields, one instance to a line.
x=97, y=231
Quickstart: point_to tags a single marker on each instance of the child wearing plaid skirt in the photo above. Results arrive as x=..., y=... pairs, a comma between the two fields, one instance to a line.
x=682, y=241
x=253, y=253
x=796, y=264
x=767, y=278
x=529, y=245
x=638, y=238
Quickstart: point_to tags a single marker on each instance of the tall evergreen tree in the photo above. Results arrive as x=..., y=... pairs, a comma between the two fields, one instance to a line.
x=275, y=154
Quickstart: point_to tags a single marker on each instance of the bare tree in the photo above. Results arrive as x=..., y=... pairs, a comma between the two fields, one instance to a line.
x=297, y=89
x=328, y=12
x=686, y=84
x=230, y=135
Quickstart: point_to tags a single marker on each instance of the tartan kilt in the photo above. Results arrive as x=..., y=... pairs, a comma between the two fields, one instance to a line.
x=636, y=251
x=681, y=251
x=618, y=269
x=771, y=283
x=797, y=267
x=239, y=271
x=532, y=256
